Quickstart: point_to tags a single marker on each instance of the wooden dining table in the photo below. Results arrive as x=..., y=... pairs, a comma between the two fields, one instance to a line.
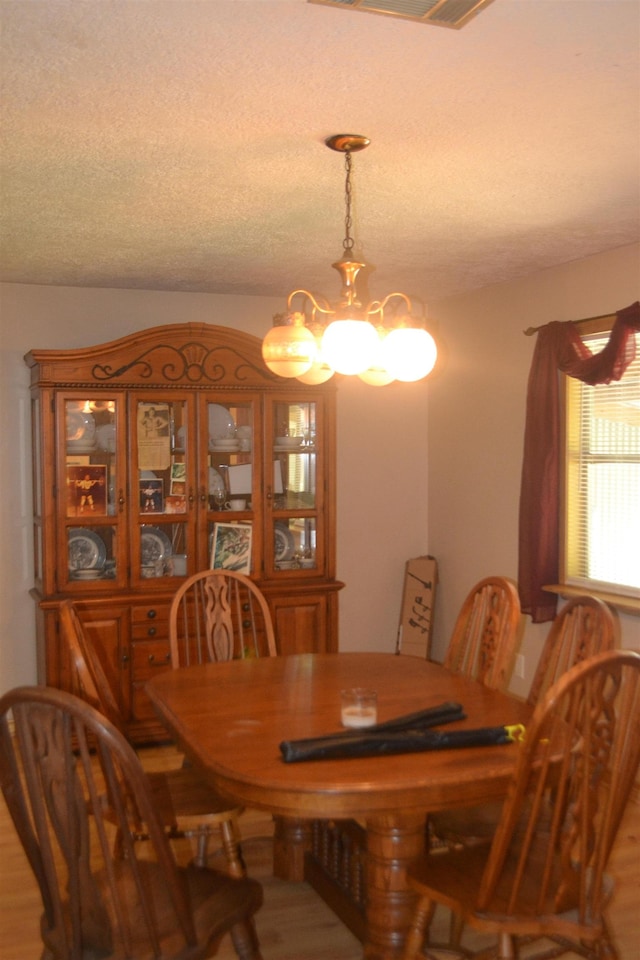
x=230, y=719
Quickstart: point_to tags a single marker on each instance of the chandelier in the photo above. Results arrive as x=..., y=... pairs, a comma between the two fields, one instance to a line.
x=380, y=342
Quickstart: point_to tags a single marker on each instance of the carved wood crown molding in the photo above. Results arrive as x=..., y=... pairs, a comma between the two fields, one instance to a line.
x=189, y=355
x=192, y=362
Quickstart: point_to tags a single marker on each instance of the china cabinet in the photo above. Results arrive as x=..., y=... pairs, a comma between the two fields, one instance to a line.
x=163, y=453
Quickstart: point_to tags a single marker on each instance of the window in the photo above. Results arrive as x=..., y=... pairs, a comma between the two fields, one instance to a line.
x=602, y=481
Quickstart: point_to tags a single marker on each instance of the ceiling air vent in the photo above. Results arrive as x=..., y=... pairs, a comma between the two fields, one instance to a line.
x=446, y=13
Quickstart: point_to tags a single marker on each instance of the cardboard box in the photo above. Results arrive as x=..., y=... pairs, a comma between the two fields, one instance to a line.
x=418, y=599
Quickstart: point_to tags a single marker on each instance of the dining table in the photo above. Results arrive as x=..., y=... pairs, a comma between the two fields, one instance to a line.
x=230, y=719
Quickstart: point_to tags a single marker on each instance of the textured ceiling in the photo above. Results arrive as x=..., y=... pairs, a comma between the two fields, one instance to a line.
x=180, y=145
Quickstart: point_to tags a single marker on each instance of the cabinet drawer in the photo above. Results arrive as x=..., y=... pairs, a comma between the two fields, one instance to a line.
x=148, y=658
x=150, y=620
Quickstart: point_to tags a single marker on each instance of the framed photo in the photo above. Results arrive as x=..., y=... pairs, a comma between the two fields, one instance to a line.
x=153, y=436
x=86, y=490
x=151, y=496
x=175, y=504
x=153, y=420
x=231, y=547
x=178, y=480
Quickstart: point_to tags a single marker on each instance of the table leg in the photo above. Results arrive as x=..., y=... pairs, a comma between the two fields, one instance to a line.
x=393, y=842
x=291, y=840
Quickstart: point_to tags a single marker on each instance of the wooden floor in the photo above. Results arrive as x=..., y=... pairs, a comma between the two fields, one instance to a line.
x=294, y=923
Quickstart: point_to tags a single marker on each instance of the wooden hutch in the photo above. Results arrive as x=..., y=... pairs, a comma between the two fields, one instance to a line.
x=163, y=453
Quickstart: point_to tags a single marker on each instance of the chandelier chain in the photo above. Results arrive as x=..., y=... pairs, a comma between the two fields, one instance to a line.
x=347, y=243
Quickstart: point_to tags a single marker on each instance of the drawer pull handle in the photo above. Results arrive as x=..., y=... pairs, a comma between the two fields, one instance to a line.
x=162, y=662
x=151, y=632
x=151, y=614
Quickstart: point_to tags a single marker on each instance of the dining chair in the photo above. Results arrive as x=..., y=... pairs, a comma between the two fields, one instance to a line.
x=187, y=806
x=543, y=877
x=64, y=765
x=219, y=615
x=583, y=627
x=483, y=643
x=483, y=648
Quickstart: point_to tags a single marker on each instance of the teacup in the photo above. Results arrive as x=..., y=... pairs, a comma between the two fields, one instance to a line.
x=238, y=504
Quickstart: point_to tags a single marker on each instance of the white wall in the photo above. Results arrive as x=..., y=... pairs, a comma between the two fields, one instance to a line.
x=464, y=476
x=476, y=424
x=382, y=456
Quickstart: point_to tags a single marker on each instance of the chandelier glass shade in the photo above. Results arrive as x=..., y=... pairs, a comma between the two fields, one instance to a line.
x=410, y=353
x=289, y=350
x=380, y=342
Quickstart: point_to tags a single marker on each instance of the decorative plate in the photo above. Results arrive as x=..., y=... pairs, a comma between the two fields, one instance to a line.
x=154, y=545
x=221, y=424
x=87, y=574
x=284, y=543
x=86, y=550
x=219, y=446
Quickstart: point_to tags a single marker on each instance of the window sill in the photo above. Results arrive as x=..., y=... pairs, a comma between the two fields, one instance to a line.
x=624, y=604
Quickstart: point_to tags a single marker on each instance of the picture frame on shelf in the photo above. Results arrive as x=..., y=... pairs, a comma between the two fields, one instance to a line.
x=151, y=496
x=86, y=490
x=231, y=547
x=178, y=484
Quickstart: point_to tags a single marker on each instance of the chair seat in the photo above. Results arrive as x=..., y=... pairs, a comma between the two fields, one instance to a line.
x=183, y=794
x=466, y=825
x=216, y=902
x=454, y=879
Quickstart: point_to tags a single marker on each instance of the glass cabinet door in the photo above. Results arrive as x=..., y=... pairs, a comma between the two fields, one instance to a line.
x=294, y=543
x=164, y=496
x=230, y=429
x=93, y=484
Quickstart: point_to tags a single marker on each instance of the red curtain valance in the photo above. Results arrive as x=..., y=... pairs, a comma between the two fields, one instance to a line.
x=559, y=347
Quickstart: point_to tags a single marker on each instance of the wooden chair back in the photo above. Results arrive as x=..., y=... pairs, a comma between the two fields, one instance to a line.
x=583, y=627
x=97, y=904
x=219, y=615
x=575, y=772
x=91, y=679
x=483, y=642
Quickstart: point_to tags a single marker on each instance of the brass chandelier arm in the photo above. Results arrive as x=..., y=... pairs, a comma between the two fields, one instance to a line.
x=378, y=307
x=327, y=309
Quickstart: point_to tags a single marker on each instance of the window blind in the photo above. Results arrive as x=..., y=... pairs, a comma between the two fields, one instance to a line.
x=602, y=481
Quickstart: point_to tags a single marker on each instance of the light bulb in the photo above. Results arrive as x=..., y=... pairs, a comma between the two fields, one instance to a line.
x=289, y=349
x=318, y=372
x=377, y=375
x=410, y=353
x=349, y=346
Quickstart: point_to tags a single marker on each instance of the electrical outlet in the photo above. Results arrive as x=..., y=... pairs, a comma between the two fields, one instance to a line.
x=519, y=667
